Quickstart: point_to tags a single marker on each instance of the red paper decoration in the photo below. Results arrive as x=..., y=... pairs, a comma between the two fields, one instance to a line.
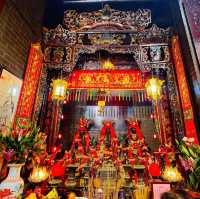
x=154, y=170
x=57, y=170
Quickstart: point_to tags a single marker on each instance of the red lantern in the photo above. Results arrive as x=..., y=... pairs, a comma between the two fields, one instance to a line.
x=154, y=170
x=57, y=170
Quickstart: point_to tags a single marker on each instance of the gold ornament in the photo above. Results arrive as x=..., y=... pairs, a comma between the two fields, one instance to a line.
x=153, y=88
x=53, y=194
x=101, y=105
x=108, y=65
x=97, y=182
x=71, y=195
x=38, y=174
x=142, y=192
x=172, y=174
x=31, y=196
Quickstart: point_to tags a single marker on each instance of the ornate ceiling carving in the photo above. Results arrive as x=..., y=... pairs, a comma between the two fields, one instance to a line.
x=128, y=20
x=107, y=29
x=62, y=37
x=147, y=56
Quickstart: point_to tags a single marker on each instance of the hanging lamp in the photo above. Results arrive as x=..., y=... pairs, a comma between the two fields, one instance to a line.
x=59, y=89
x=153, y=88
x=101, y=105
x=171, y=174
x=39, y=174
x=108, y=65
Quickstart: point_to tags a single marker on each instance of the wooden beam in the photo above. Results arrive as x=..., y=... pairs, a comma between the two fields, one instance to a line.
x=99, y=1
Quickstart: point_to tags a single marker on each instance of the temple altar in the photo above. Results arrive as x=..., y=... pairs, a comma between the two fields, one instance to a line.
x=111, y=98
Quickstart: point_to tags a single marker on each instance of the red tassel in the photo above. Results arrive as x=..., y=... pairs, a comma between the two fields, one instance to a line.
x=167, y=158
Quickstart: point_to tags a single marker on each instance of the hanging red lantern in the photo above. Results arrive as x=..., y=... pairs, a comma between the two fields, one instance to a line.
x=154, y=170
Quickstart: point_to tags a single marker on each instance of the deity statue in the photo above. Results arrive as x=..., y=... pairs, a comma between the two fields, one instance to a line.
x=81, y=141
x=137, y=149
x=108, y=142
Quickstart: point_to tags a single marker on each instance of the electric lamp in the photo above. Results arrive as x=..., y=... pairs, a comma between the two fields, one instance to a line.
x=71, y=195
x=108, y=65
x=172, y=174
x=155, y=136
x=154, y=170
x=153, y=88
x=38, y=174
x=59, y=89
x=101, y=105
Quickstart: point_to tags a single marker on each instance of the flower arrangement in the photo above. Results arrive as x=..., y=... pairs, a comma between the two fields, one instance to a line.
x=16, y=145
x=190, y=161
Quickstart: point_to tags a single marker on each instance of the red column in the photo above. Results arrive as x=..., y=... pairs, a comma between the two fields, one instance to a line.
x=2, y=2
x=30, y=84
x=188, y=113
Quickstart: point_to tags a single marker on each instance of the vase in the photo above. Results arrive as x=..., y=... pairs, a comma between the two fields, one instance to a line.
x=13, y=181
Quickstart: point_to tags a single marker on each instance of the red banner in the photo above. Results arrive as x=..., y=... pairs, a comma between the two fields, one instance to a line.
x=190, y=129
x=30, y=83
x=106, y=79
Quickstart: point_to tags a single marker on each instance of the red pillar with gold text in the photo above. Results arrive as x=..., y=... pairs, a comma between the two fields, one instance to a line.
x=30, y=83
x=188, y=113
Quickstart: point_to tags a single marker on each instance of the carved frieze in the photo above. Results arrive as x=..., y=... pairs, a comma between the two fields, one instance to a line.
x=59, y=35
x=110, y=30
x=155, y=53
x=62, y=37
x=128, y=20
x=147, y=56
x=174, y=101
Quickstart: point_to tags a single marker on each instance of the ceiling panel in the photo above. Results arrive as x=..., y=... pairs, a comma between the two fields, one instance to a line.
x=161, y=13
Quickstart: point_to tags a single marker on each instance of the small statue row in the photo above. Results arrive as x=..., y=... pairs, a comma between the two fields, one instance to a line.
x=129, y=150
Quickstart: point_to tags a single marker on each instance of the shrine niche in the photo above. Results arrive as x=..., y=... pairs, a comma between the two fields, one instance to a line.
x=112, y=100
x=93, y=38
x=108, y=101
x=111, y=32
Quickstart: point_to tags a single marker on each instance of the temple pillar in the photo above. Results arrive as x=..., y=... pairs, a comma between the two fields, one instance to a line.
x=166, y=119
x=187, y=107
x=55, y=120
x=186, y=24
x=29, y=88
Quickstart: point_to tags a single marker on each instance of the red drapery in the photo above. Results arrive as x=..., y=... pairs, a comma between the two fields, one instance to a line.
x=104, y=79
x=190, y=129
